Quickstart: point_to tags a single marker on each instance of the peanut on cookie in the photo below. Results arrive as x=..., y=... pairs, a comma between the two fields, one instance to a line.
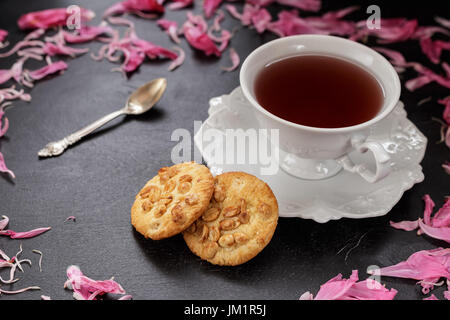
x=239, y=222
x=172, y=200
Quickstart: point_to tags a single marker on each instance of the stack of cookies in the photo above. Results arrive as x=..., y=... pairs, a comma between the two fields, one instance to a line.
x=226, y=220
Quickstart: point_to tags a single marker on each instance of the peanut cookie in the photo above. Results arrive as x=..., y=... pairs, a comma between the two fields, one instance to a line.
x=239, y=222
x=171, y=201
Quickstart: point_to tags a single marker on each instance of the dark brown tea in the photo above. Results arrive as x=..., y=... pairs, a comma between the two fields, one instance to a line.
x=318, y=91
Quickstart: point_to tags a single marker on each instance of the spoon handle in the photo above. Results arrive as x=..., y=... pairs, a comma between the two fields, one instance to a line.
x=57, y=147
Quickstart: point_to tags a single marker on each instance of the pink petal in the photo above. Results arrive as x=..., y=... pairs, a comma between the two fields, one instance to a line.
x=261, y=20
x=3, y=167
x=171, y=28
x=3, y=223
x=337, y=287
x=350, y=289
x=260, y=3
x=306, y=296
x=19, y=291
x=429, y=206
x=3, y=127
x=60, y=49
x=45, y=298
x=233, y=11
x=179, y=4
x=442, y=233
x=50, y=18
x=133, y=6
x=443, y=22
x=394, y=56
x=195, y=33
x=179, y=60
x=24, y=235
x=405, y=225
x=87, y=33
x=21, y=44
x=417, y=83
x=432, y=297
x=5, y=75
x=392, y=30
x=86, y=288
x=210, y=6
x=235, y=60
x=47, y=70
x=428, y=32
x=307, y=5
x=289, y=23
x=422, y=265
x=3, y=35
x=72, y=218
x=217, y=20
x=442, y=216
x=126, y=297
x=433, y=49
x=446, y=167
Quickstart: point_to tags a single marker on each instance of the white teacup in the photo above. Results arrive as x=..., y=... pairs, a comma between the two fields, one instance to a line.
x=318, y=153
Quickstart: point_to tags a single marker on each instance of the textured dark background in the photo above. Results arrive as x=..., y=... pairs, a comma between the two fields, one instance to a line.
x=96, y=181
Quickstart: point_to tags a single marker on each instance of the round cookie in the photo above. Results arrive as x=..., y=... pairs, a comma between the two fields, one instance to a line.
x=171, y=201
x=239, y=222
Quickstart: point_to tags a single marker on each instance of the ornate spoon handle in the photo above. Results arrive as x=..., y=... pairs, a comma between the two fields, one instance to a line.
x=58, y=147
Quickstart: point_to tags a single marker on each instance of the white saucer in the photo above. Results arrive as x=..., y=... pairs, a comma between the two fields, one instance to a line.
x=343, y=195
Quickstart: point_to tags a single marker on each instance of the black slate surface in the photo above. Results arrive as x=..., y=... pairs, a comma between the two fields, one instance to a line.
x=96, y=181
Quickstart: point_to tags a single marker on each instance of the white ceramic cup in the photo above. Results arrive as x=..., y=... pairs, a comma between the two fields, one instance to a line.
x=318, y=153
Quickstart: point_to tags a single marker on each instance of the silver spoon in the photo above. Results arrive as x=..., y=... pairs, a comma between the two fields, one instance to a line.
x=140, y=101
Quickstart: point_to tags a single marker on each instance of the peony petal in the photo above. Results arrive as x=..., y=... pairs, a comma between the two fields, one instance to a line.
x=179, y=60
x=3, y=36
x=210, y=6
x=417, y=83
x=24, y=235
x=87, y=33
x=443, y=22
x=428, y=265
x=3, y=223
x=171, y=28
x=235, y=60
x=405, y=225
x=442, y=217
x=50, y=18
x=71, y=218
x=179, y=4
x=19, y=291
x=395, y=57
x=233, y=11
x=429, y=206
x=307, y=5
x=195, y=32
x=45, y=298
x=87, y=289
x=350, y=289
x=3, y=167
x=133, y=6
x=432, y=297
x=47, y=70
x=261, y=20
x=446, y=167
x=441, y=233
x=60, y=49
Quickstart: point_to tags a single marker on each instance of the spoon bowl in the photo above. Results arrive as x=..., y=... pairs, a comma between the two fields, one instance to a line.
x=145, y=97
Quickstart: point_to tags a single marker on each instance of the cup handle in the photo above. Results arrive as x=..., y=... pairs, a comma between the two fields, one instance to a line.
x=382, y=158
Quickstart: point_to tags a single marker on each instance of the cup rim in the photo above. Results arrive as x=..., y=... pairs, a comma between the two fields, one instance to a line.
x=388, y=108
